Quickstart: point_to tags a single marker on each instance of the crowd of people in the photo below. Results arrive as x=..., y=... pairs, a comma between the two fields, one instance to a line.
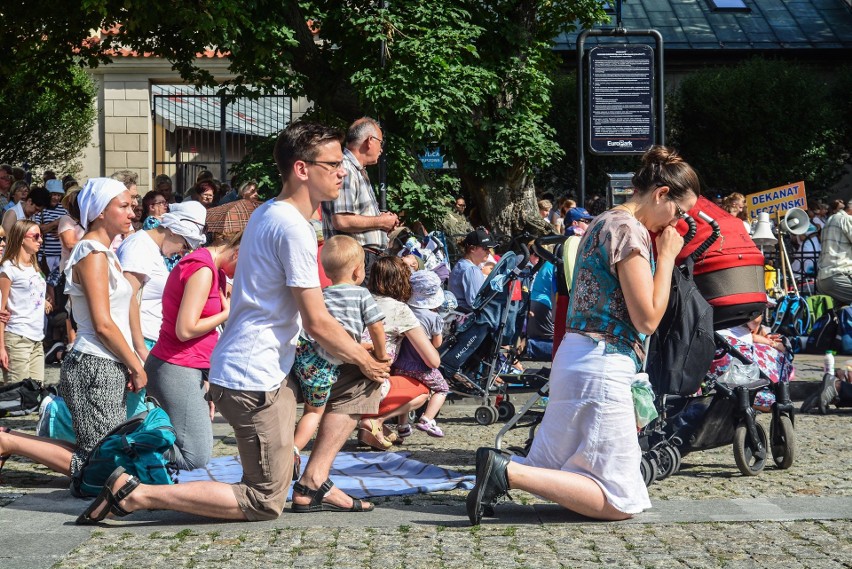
x=252, y=324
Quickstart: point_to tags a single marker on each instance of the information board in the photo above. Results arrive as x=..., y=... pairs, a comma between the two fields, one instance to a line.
x=621, y=99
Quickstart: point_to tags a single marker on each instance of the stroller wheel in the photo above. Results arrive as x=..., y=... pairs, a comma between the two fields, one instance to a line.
x=669, y=461
x=784, y=446
x=486, y=415
x=648, y=468
x=750, y=460
x=505, y=410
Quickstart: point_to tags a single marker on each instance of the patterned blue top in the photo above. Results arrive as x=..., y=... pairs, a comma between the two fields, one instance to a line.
x=597, y=308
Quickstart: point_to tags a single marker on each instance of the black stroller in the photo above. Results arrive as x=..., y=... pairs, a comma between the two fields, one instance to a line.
x=722, y=415
x=724, y=412
x=473, y=344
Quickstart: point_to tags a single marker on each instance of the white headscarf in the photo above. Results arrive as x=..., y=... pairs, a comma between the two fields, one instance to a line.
x=95, y=196
x=187, y=219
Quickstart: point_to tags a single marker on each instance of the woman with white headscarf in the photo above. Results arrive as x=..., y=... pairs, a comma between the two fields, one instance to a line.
x=143, y=257
x=102, y=365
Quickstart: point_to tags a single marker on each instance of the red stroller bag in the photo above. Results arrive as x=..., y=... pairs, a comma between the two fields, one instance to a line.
x=730, y=273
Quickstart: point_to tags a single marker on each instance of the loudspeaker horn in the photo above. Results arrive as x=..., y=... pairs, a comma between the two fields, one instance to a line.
x=795, y=222
x=762, y=235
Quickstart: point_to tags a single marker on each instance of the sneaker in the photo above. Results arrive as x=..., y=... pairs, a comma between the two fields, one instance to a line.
x=50, y=355
x=827, y=393
x=403, y=431
x=430, y=427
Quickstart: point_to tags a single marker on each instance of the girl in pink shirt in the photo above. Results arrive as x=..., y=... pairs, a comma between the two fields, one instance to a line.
x=195, y=303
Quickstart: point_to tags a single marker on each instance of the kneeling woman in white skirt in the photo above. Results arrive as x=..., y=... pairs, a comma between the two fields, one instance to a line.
x=586, y=453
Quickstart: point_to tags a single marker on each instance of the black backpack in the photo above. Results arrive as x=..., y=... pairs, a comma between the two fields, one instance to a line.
x=21, y=398
x=681, y=350
x=824, y=333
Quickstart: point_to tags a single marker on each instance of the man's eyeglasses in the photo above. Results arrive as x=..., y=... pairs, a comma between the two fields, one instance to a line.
x=333, y=165
x=160, y=202
x=381, y=140
x=7, y=178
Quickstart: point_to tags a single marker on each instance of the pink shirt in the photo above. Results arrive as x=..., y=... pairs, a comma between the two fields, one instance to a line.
x=194, y=353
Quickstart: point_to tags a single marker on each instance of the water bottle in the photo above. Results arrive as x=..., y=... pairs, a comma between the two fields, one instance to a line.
x=828, y=363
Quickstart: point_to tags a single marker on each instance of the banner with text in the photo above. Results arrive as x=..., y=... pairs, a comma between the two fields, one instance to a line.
x=777, y=200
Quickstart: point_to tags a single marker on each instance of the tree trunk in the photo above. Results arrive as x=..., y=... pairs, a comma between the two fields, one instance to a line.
x=506, y=205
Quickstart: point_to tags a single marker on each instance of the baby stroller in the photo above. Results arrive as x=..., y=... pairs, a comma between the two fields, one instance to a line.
x=724, y=412
x=531, y=414
x=472, y=360
x=430, y=249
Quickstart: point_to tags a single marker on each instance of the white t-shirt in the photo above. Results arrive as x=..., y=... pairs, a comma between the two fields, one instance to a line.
x=120, y=292
x=67, y=223
x=139, y=254
x=26, y=301
x=257, y=348
x=18, y=208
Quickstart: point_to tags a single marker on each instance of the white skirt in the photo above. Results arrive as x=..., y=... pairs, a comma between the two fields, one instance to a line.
x=589, y=426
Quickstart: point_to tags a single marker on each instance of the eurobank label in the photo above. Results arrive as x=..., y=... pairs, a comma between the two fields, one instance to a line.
x=777, y=201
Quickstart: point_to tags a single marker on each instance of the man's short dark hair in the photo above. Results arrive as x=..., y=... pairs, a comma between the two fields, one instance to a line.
x=7, y=168
x=39, y=196
x=301, y=141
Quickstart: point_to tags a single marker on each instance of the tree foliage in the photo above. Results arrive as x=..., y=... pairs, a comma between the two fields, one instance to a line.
x=761, y=124
x=44, y=123
x=471, y=76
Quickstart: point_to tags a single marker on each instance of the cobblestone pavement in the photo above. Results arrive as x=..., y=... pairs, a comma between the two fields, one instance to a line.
x=822, y=469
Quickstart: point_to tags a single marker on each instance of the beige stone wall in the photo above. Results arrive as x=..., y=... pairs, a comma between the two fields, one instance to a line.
x=123, y=134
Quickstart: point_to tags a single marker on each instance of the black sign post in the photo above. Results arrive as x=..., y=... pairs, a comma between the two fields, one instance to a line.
x=621, y=99
x=619, y=103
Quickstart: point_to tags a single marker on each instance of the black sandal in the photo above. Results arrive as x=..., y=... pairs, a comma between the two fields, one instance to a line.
x=110, y=502
x=317, y=505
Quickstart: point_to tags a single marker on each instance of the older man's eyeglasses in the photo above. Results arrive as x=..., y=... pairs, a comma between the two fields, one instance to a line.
x=334, y=166
x=381, y=140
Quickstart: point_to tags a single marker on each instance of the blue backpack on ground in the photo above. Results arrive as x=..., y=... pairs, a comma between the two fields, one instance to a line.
x=142, y=445
x=844, y=316
x=54, y=421
x=792, y=317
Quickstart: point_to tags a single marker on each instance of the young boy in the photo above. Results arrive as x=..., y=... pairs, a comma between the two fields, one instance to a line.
x=342, y=259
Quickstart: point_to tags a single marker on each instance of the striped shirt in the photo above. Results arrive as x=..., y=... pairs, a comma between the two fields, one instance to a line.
x=52, y=246
x=356, y=196
x=354, y=307
x=836, y=240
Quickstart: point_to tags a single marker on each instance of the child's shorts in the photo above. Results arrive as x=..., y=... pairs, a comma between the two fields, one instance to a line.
x=431, y=379
x=314, y=373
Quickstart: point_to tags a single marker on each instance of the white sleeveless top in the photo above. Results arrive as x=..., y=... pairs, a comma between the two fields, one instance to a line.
x=120, y=292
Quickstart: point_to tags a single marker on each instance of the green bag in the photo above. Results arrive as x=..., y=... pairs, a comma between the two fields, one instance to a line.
x=643, y=400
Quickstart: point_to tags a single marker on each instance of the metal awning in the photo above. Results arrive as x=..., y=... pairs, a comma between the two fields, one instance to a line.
x=184, y=106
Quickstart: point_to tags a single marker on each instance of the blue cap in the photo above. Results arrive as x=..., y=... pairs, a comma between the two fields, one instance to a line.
x=577, y=214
